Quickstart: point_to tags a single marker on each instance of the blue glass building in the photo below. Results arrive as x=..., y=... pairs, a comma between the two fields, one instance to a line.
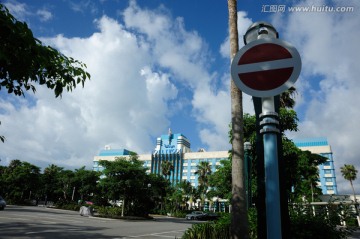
x=174, y=148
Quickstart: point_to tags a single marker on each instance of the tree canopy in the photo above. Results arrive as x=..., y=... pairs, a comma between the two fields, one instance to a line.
x=25, y=61
x=126, y=180
x=21, y=181
x=166, y=168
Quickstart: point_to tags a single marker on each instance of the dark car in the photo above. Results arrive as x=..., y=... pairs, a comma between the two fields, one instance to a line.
x=203, y=216
x=210, y=216
x=2, y=203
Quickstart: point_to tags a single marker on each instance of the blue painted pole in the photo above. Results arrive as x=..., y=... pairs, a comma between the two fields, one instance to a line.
x=270, y=130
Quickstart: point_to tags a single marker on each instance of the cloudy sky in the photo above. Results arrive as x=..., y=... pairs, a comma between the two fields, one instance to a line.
x=160, y=64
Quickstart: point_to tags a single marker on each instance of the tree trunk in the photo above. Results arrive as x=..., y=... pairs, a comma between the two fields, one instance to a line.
x=352, y=186
x=355, y=200
x=239, y=219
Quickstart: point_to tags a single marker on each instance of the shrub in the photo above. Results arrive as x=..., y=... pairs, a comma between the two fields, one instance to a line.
x=209, y=230
x=67, y=206
x=110, y=212
x=320, y=225
x=304, y=225
x=219, y=229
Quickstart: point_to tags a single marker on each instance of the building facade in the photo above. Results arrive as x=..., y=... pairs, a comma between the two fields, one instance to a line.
x=327, y=176
x=174, y=148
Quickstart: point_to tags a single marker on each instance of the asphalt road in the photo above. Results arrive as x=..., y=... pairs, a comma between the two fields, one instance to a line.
x=18, y=222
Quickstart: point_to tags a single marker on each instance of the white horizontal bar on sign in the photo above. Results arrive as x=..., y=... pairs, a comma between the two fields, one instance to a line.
x=265, y=65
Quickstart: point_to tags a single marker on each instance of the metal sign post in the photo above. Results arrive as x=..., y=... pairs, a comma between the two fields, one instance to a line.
x=266, y=67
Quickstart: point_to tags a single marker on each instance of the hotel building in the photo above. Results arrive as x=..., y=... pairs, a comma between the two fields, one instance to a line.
x=327, y=178
x=171, y=147
x=176, y=149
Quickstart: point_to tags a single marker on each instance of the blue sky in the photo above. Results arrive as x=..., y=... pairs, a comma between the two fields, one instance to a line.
x=159, y=64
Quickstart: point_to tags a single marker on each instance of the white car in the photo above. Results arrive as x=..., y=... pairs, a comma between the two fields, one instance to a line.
x=195, y=215
x=2, y=203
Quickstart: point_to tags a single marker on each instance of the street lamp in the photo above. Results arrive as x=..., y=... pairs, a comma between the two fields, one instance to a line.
x=258, y=29
x=123, y=205
x=247, y=169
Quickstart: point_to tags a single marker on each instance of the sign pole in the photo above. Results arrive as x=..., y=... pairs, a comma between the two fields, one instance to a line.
x=266, y=67
x=269, y=123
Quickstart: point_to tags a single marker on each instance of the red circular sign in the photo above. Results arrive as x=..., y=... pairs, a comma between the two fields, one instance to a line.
x=266, y=67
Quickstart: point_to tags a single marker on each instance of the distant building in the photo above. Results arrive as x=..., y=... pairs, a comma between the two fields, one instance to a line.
x=176, y=149
x=170, y=147
x=327, y=170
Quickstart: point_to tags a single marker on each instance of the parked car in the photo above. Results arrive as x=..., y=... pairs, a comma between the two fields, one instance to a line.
x=2, y=203
x=204, y=216
x=211, y=216
x=195, y=215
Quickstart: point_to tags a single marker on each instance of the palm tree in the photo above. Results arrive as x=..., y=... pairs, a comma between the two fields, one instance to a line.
x=239, y=217
x=203, y=171
x=349, y=172
x=51, y=182
x=52, y=169
x=287, y=98
x=186, y=189
x=166, y=168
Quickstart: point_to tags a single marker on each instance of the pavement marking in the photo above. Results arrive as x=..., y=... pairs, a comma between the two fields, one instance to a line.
x=156, y=234
x=102, y=218
x=23, y=219
x=46, y=231
x=41, y=220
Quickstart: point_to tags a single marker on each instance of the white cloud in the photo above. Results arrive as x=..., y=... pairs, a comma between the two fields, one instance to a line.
x=19, y=10
x=213, y=109
x=44, y=14
x=136, y=76
x=83, y=6
x=243, y=23
x=115, y=107
x=186, y=55
x=329, y=84
x=22, y=12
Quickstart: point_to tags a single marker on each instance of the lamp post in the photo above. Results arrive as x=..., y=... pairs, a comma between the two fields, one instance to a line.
x=247, y=173
x=269, y=129
x=122, y=205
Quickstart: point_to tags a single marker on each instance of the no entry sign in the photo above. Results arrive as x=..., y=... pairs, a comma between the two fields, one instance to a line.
x=266, y=67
